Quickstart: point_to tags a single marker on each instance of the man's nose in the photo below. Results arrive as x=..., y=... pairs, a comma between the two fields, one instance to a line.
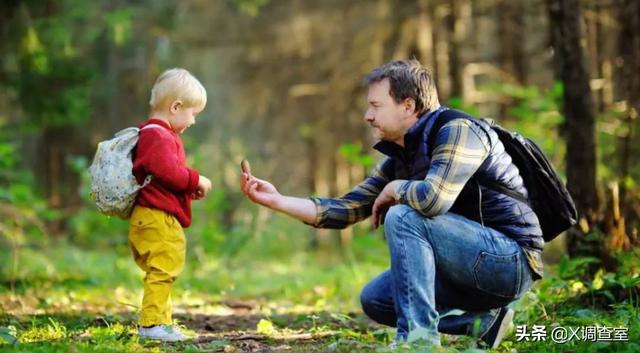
x=368, y=117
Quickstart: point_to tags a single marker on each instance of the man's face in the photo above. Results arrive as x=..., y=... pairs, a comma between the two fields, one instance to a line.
x=384, y=115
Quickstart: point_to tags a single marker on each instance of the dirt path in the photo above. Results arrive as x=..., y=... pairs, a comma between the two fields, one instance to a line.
x=246, y=330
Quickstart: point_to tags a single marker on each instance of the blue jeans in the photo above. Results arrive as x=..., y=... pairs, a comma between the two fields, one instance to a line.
x=439, y=264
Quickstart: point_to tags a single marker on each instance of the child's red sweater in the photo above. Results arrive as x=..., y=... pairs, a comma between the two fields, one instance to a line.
x=160, y=152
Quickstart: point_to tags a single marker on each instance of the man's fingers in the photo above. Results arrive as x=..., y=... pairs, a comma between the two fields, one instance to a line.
x=373, y=219
x=243, y=180
x=247, y=186
x=247, y=189
x=383, y=214
x=379, y=211
x=252, y=181
x=254, y=186
x=374, y=224
x=374, y=215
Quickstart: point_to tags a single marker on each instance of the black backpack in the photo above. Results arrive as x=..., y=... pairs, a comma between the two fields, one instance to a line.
x=548, y=196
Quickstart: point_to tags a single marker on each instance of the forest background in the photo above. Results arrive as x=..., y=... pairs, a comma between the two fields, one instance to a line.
x=284, y=90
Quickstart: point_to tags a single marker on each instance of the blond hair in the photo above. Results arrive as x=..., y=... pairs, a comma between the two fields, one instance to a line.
x=177, y=84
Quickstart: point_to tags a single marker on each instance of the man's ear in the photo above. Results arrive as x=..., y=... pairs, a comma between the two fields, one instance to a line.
x=175, y=106
x=409, y=106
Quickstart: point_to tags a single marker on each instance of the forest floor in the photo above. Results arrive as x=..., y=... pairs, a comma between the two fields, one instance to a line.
x=285, y=306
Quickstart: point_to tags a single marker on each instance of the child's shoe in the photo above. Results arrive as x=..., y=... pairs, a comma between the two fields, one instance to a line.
x=165, y=333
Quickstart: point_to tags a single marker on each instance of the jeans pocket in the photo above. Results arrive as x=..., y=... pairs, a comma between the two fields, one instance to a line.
x=498, y=275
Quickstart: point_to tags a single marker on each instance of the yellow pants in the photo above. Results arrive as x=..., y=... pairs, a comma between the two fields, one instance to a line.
x=158, y=244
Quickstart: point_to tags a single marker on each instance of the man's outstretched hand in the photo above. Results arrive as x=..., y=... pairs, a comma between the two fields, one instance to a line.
x=385, y=199
x=264, y=193
x=257, y=190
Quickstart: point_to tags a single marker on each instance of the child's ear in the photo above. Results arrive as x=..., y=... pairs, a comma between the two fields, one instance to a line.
x=175, y=106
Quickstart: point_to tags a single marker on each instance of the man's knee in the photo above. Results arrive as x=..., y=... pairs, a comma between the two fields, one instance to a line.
x=367, y=300
x=373, y=308
x=394, y=216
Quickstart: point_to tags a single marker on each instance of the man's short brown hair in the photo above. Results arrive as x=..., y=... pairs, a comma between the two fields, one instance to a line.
x=407, y=79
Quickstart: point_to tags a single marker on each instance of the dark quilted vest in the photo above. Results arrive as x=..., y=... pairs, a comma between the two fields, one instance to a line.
x=491, y=208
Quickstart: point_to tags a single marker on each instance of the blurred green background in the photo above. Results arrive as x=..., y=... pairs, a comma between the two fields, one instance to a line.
x=284, y=90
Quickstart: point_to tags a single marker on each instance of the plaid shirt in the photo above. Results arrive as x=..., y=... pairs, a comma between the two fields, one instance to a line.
x=460, y=149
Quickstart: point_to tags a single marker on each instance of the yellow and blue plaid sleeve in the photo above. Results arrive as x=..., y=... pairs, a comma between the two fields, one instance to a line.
x=459, y=151
x=355, y=206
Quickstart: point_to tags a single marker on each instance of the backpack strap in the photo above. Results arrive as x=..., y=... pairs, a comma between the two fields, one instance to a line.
x=441, y=120
x=151, y=126
x=504, y=190
x=149, y=177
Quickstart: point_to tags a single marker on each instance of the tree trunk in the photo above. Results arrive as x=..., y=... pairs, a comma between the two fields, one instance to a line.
x=60, y=182
x=629, y=49
x=424, y=38
x=596, y=51
x=511, y=36
x=456, y=24
x=511, y=57
x=441, y=57
x=580, y=120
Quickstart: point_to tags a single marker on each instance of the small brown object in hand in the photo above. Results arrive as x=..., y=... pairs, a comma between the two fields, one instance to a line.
x=244, y=165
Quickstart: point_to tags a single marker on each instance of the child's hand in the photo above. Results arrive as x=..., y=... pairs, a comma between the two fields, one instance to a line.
x=204, y=186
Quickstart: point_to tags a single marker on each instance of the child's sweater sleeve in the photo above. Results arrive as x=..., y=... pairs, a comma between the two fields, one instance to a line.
x=158, y=153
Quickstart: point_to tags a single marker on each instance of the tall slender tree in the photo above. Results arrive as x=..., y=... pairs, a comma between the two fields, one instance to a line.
x=629, y=50
x=577, y=108
x=511, y=34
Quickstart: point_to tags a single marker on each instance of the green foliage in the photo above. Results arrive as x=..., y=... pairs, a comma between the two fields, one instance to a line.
x=53, y=59
x=569, y=297
x=354, y=154
x=23, y=213
x=48, y=57
x=610, y=129
x=119, y=23
x=211, y=235
x=574, y=268
x=88, y=227
x=573, y=282
x=537, y=114
x=457, y=103
x=250, y=7
x=49, y=74
x=534, y=113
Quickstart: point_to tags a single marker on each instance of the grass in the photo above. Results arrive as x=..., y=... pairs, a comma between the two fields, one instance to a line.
x=273, y=294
